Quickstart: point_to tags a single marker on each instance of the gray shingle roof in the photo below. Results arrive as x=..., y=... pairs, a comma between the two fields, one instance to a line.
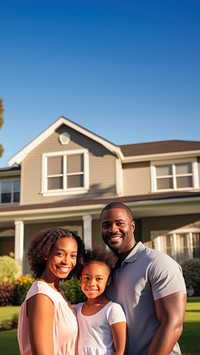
x=171, y=146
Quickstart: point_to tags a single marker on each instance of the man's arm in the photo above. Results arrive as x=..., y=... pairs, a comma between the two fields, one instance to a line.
x=170, y=311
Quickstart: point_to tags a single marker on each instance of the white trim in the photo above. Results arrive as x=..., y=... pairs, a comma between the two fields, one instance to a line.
x=87, y=227
x=162, y=156
x=19, y=243
x=195, y=177
x=18, y=158
x=69, y=191
x=118, y=177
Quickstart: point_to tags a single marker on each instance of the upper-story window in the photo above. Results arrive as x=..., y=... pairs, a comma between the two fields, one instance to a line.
x=178, y=175
x=65, y=172
x=9, y=191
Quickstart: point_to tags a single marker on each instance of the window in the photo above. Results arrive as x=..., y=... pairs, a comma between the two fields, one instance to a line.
x=10, y=191
x=180, y=246
x=174, y=176
x=66, y=172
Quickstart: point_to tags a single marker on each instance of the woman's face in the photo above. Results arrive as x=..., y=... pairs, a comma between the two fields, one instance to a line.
x=62, y=258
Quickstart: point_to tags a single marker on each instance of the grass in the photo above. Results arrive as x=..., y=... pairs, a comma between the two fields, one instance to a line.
x=189, y=340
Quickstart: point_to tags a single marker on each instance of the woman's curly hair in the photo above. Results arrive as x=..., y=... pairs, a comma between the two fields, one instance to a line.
x=42, y=244
x=98, y=254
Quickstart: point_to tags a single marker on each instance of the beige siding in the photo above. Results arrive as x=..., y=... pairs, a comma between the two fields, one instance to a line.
x=136, y=179
x=167, y=223
x=96, y=234
x=101, y=170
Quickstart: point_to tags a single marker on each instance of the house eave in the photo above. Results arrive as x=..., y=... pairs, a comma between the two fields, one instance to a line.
x=163, y=156
x=141, y=209
x=18, y=158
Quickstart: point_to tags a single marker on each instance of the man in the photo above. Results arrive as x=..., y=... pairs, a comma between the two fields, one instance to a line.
x=148, y=284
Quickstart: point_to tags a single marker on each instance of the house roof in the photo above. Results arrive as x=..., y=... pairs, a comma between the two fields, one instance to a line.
x=10, y=171
x=159, y=147
x=182, y=202
x=127, y=153
x=18, y=158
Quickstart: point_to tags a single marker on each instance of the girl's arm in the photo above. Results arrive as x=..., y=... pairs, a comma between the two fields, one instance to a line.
x=119, y=337
x=40, y=311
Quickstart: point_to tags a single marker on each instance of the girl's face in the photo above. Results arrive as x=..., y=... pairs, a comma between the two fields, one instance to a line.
x=62, y=258
x=94, y=279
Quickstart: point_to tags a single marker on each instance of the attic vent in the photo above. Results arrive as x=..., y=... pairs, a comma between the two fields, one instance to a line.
x=64, y=138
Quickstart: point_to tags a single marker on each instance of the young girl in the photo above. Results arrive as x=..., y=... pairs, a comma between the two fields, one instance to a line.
x=47, y=323
x=102, y=323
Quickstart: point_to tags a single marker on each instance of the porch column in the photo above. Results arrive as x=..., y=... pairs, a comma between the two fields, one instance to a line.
x=87, y=230
x=19, y=243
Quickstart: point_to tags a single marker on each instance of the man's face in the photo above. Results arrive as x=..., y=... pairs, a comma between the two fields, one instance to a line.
x=117, y=229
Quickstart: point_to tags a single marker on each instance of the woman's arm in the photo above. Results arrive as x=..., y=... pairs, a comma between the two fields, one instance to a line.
x=40, y=311
x=119, y=337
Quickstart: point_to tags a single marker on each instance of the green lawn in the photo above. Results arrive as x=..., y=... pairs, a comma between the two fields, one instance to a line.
x=189, y=341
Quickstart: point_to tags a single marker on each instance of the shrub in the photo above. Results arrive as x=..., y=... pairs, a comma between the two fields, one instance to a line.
x=15, y=320
x=7, y=294
x=72, y=291
x=8, y=324
x=9, y=269
x=22, y=286
x=191, y=274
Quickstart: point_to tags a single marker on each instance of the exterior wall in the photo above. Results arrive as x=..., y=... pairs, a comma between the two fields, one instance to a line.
x=96, y=234
x=168, y=223
x=136, y=179
x=7, y=240
x=100, y=161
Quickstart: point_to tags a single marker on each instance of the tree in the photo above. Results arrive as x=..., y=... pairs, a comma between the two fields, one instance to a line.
x=1, y=123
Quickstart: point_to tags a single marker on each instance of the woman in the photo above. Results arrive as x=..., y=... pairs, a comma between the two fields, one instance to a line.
x=47, y=323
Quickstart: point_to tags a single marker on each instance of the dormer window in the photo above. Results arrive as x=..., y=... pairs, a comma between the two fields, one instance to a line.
x=65, y=172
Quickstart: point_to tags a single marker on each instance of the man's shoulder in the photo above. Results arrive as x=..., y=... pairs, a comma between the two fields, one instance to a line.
x=155, y=257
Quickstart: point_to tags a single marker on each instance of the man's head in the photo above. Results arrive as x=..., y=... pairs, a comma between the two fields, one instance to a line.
x=117, y=226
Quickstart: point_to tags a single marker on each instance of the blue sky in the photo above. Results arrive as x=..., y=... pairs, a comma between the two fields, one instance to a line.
x=127, y=70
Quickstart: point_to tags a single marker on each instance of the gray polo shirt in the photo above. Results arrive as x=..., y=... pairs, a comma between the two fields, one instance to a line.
x=144, y=276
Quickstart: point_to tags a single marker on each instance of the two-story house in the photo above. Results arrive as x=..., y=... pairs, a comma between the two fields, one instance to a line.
x=67, y=174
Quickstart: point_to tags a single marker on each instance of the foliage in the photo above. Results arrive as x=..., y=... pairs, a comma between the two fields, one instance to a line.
x=72, y=291
x=191, y=274
x=8, y=324
x=22, y=286
x=9, y=269
x=7, y=294
x=15, y=320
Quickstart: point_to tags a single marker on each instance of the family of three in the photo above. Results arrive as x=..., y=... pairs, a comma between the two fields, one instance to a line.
x=135, y=296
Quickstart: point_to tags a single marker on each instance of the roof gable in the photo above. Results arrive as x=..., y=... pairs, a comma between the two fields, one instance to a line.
x=19, y=157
